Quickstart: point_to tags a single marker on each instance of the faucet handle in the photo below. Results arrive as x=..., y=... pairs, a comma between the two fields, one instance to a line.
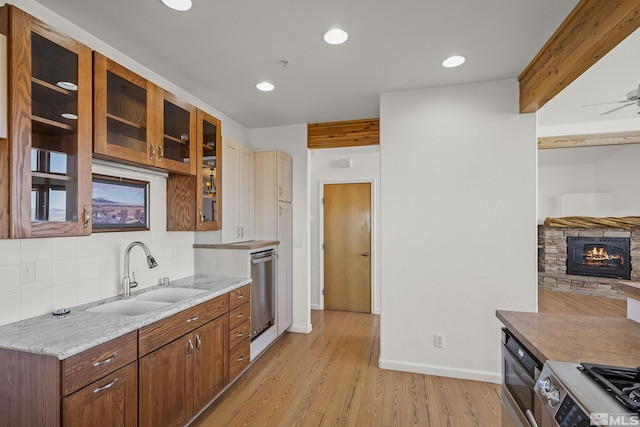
x=133, y=283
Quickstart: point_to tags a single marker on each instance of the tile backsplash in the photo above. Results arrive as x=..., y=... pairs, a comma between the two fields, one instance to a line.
x=69, y=271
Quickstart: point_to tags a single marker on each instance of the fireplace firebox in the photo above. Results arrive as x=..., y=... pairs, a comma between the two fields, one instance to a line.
x=599, y=257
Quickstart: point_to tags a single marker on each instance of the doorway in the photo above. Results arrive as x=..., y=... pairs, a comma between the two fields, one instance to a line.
x=347, y=247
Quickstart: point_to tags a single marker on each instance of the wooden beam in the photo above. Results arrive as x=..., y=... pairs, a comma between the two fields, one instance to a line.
x=589, y=140
x=592, y=29
x=348, y=133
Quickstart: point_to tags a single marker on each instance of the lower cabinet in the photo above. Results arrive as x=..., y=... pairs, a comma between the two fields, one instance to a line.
x=110, y=401
x=178, y=379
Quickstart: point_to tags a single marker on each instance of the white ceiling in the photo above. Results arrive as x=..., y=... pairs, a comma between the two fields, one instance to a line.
x=220, y=49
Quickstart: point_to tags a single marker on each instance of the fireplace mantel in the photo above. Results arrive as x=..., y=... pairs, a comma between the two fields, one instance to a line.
x=626, y=222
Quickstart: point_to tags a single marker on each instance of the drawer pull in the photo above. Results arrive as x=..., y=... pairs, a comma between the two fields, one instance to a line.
x=240, y=296
x=240, y=359
x=241, y=334
x=240, y=316
x=104, y=387
x=193, y=319
x=105, y=361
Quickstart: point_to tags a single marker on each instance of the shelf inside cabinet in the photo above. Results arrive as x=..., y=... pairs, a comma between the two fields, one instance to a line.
x=41, y=83
x=124, y=121
x=47, y=126
x=174, y=139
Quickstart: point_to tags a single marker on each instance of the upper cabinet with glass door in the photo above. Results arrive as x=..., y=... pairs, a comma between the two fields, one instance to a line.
x=177, y=150
x=209, y=196
x=46, y=191
x=136, y=121
x=124, y=114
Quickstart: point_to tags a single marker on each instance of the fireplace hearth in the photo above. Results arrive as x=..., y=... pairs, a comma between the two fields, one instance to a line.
x=599, y=257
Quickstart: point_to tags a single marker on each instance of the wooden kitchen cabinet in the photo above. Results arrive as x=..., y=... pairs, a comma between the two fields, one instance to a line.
x=45, y=163
x=110, y=401
x=195, y=204
x=138, y=122
x=237, y=181
x=239, y=330
x=178, y=376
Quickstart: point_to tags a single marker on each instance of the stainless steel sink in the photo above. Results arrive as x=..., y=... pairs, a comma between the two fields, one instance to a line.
x=128, y=307
x=169, y=295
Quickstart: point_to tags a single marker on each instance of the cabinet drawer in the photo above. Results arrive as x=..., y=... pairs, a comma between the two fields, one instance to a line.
x=239, y=315
x=95, y=363
x=111, y=401
x=239, y=358
x=166, y=330
x=239, y=296
x=239, y=333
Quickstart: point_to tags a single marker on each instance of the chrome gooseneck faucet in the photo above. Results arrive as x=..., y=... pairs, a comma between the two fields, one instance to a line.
x=127, y=284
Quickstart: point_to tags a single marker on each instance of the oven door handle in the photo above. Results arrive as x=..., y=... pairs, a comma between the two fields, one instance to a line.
x=530, y=418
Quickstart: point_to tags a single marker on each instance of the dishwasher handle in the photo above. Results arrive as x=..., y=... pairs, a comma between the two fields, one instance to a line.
x=263, y=259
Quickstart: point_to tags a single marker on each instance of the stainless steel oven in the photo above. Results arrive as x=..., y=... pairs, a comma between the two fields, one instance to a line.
x=520, y=370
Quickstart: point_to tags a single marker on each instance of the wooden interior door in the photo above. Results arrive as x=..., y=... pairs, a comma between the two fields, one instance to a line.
x=347, y=247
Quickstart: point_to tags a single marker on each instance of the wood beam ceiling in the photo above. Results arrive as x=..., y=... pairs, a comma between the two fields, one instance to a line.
x=593, y=28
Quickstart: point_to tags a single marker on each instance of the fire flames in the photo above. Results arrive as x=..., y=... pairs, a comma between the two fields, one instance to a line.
x=599, y=255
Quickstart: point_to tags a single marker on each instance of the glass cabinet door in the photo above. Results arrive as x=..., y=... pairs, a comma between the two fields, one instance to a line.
x=51, y=151
x=124, y=118
x=177, y=151
x=209, y=176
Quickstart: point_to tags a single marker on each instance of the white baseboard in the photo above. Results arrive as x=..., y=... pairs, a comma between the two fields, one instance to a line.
x=442, y=371
x=316, y=307
x=300, y=329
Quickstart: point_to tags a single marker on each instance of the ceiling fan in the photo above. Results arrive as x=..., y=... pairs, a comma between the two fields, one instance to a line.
x=632, y=98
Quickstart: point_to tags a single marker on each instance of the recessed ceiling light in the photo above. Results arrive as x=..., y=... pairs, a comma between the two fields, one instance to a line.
x=265, y=86
x=454, y=61
x=336, y=36
x=180, y=5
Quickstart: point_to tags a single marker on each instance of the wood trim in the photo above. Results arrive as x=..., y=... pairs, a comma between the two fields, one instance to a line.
x=589, y=140
x=592, y=29
x=348, y=133
x=627, y=222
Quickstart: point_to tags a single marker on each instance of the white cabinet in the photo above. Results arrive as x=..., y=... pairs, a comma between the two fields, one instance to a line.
x=273, y=221
x=283, y=176
x=237, y=184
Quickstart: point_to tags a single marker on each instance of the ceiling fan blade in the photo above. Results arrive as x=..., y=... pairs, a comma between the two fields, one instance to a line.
x=616, y=109
x=605, y=103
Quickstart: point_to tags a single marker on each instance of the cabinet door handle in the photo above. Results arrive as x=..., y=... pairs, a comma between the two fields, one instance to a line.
x=190, y=348
x=105, y=361
x=86, y=216
x=193, y=319
x=280, y=190
x=161, y=156
x=104, y=387
x=240, y=359
x=153, y=152
x=198, y=343
x=280, y=210
x=201, y=217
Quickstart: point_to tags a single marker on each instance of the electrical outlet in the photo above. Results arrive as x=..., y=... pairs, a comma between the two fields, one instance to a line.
x=438, y=340
x=175, y=254
x=28, y=273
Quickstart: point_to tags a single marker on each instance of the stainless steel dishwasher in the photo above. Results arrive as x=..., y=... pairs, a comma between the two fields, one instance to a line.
x=262, y=291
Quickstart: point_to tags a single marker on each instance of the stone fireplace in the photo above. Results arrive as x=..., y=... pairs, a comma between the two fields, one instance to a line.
x=607, y=246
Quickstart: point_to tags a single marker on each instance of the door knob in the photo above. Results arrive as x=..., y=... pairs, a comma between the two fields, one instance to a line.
x=365, y=254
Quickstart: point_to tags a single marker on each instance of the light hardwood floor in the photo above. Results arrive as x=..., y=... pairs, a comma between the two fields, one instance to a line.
x=330, y=377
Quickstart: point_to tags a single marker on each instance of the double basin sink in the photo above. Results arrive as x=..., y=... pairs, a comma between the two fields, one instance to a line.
x=146, y=302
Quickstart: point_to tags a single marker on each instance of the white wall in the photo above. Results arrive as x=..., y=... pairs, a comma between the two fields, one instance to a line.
x=458, y=174
x=76, y=270
x=365, y=167
x=585, y=172
x=293, y=140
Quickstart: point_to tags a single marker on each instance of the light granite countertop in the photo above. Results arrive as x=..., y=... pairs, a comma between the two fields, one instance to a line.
x=73, y=333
